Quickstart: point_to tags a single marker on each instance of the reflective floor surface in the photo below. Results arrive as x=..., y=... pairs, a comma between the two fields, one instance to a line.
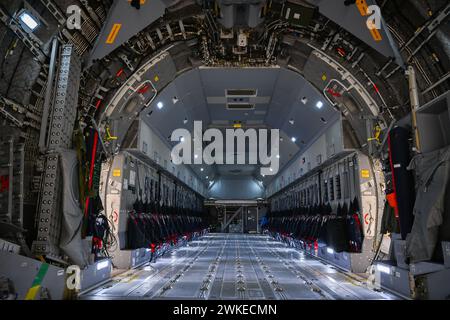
x=236, y=266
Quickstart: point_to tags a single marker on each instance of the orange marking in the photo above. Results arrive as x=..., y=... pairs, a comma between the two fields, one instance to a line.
x=363, y=10
x=113, y=34
x=362, y=7
x=376, y=35
x=142, y=2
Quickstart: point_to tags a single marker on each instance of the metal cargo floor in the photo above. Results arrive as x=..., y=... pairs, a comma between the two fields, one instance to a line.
x=236, y=266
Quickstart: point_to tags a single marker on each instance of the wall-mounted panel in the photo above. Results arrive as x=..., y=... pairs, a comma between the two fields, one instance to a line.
x=325, y=147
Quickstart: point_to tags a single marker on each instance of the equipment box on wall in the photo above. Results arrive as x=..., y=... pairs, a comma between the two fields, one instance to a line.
x=433, y=122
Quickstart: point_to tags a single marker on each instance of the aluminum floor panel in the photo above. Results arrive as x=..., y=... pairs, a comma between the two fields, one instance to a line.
x=236, y=266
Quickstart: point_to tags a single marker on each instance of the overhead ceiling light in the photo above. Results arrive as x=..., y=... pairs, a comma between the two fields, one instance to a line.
x=291, y=121
x=330, y=250
x=31, y=22
x=294, y=139
x=207, y=177
x=195, y=156
x=182, y=139
x=175, y=100
x=278, y=156
x=271, y=169
x=319, y=105
x=201, y=169
x=185, y=120
x=304, y=100
x=160, y=105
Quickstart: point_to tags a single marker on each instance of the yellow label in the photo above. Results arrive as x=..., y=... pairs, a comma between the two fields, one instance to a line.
x=114, y=32
x=237, y=125
x=365, y=173
x=324, y=77
x=32, y=292
x=142, y=2
x=116, y=173
x=362, y=7
x=156, y=78
x=376, y=35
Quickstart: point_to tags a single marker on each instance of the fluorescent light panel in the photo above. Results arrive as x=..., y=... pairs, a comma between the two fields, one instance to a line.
x=383, y=269
x=103, y=264
x=29, y=20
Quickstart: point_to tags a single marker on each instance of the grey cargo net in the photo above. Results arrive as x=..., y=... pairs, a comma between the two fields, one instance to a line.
x=433, y=175
x=71, y=242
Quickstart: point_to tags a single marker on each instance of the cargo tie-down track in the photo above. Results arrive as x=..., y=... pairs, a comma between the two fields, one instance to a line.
x=236, y=266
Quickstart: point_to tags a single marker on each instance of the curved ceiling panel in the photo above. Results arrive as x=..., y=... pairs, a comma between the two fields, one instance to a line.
x=279, y=99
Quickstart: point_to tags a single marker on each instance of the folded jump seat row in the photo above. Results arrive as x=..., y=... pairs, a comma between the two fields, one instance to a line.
x=341, y=231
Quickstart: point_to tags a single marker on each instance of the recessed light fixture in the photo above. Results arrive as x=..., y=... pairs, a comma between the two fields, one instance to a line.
x=103, y=264
x=27, y=19
x=293, y=139
x=384, y=269
x=207, y=177
x=195, y=156
x=278, y=156
x=201, y=169
x=160, y=105
x=182, y=139
x=319, y=105
x=271, y=170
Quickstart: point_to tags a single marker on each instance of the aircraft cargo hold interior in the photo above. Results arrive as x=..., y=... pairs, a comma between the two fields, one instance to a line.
x=260, y=150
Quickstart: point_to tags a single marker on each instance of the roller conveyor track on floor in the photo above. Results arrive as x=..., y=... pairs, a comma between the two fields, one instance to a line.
x=235, y=267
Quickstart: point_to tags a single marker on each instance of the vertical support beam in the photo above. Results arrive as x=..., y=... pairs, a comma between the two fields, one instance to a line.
x=257, y=219
x=244, y=220
x=414, y=99
x=11, y=177
x=369, y=132
x=48, y=95
x=62, y=121
x=224, y=218
x=19, y=167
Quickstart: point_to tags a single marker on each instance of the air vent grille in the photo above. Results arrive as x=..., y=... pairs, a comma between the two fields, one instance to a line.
x=241, y=92
x=240, y=106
